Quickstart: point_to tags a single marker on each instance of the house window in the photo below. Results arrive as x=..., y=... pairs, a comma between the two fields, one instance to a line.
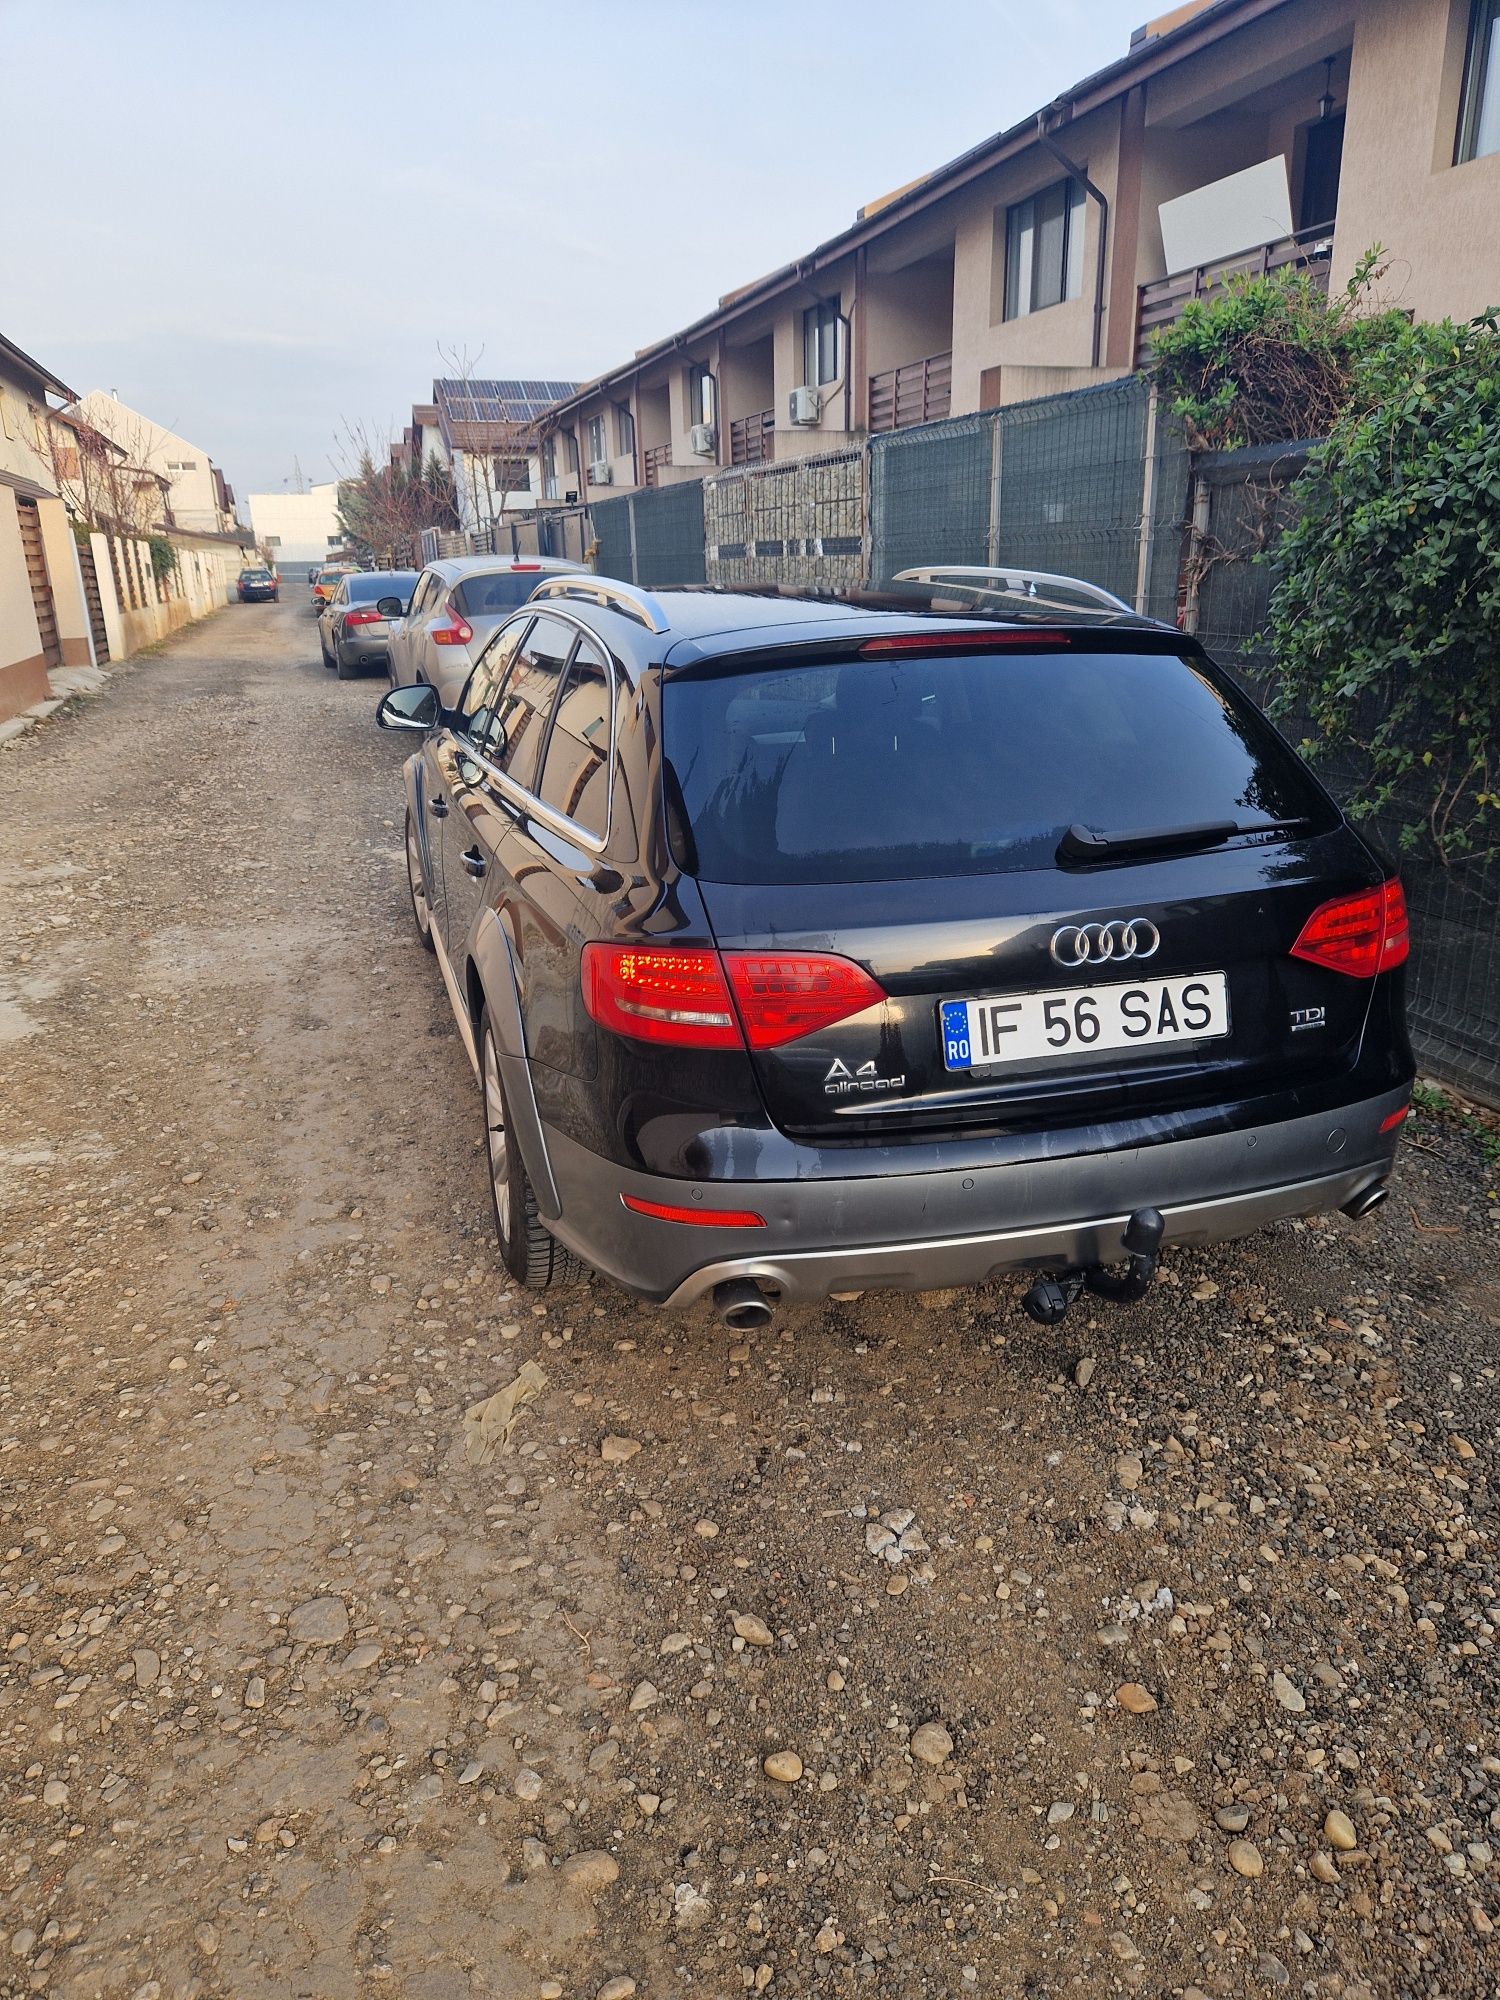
x=1044, y=249
x=1479, y=116
x=570, y=449
x=821, y=330
x=624, y=430
x=549, y=469
x=702, y=394
x=598, y=450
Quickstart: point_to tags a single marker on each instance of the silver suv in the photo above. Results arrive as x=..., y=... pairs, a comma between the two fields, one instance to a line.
x=458, y=602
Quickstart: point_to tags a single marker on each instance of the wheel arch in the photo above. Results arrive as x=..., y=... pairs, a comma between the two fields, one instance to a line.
x=490, y=982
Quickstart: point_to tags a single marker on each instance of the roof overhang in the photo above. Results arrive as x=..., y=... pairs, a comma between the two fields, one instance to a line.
x=1147, y=58
x=22, y=362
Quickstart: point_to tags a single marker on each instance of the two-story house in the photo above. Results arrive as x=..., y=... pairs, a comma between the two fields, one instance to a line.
x=1233, y=134
x=197, y=496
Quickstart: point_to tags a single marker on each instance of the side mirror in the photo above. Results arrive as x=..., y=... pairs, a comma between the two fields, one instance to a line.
x=390, y=607
x=414, y=708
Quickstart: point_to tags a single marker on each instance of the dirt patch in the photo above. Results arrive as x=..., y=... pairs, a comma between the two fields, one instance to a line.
x=294, y=1698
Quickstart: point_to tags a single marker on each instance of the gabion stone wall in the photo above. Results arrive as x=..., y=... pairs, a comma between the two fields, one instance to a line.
x=798, y=522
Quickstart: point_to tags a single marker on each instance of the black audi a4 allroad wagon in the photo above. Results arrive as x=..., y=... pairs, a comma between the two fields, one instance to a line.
x=809, y=943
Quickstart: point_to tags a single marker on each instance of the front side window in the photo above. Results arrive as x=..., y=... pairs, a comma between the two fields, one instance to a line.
x=521, y=713
x=478, y=701
x=575, y=776
x=1479, y=114
x=821, y=358
x=1044, y=249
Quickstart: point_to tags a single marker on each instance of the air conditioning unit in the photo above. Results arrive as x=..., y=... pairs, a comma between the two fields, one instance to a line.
x=806, y=405
x=704, y=440
x=601, y=472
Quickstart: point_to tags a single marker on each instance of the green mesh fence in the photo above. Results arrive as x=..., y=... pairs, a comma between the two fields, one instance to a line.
x=611, y=525
x=669, y=534
x=930, y=495
x=1071, y=484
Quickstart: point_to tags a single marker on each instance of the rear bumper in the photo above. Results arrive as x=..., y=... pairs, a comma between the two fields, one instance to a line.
x=375, y=649
x=919, y=1232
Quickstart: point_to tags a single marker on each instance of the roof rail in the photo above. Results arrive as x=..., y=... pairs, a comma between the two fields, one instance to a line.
x=1036, y=585
x=609, y=592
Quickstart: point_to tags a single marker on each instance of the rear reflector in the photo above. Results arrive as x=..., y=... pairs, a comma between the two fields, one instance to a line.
x=1359, y=935
x=970, y=642
x=707, y=1218
x=1390, y=1124
x=682, y=996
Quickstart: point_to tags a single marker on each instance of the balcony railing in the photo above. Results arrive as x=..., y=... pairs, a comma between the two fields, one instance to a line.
x=653, y=458
x=1161, y=302
x=752, y=440
x=919, y=393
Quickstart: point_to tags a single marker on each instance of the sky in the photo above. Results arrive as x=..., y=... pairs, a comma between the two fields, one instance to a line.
x=263, y=226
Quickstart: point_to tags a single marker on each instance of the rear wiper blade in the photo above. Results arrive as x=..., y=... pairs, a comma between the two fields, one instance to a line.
x=1082, y=844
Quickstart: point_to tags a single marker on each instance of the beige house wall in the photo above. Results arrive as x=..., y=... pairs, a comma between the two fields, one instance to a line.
x=193, y=498
x=23, y=672
x=1439, y=223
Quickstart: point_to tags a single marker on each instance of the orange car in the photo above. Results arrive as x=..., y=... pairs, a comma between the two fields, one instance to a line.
x=328, y=580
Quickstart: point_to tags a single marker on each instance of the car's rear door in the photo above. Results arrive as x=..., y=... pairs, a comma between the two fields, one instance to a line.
x=474, y=819
x=910, y=811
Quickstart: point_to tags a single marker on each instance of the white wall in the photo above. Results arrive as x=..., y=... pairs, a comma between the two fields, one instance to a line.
x=307, y=523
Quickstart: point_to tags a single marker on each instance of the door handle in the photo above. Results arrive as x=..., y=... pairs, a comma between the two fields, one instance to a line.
x=474, y=861
x=438, y=807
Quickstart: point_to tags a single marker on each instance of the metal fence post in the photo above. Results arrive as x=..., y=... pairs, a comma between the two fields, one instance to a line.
x=1197, y=541
x=992, y=541
x=1148, y=505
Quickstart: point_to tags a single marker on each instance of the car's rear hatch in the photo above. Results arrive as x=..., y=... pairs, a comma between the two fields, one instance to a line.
x=910, y=811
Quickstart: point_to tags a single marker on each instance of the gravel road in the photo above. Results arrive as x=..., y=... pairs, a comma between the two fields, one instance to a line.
x=906, y=1649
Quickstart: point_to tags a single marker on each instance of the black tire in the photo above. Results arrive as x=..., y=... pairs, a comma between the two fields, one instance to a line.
x=347, y=670
x=327, y=661
x=528, y=1249
x=421, y=909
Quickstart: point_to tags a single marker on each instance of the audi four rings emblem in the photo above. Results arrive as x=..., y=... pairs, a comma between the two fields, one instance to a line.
x=1097, y=944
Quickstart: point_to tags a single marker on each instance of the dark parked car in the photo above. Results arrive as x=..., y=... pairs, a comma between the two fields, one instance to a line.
x=352, y=633
x=806, y=945
x=258, y=586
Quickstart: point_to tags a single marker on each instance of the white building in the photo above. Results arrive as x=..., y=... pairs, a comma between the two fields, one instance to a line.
x=198, y=498
x=297, y=527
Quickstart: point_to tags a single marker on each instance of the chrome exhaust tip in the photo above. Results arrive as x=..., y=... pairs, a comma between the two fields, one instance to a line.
x=1368, y=1199
x=742, y=1305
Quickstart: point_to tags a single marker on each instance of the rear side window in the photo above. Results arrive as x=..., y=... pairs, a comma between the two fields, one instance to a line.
x=575, y=777
x=365, y=589
x=874, y=770
x=521, y=715
x=503, y=590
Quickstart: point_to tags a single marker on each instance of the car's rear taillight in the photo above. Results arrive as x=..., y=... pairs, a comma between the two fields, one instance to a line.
x=456, y=632
x=363, y=618
x=1360, y=935
x=784, y=995
x=660, y=994
x=665, y=993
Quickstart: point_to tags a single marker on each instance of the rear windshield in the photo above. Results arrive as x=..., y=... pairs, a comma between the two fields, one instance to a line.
x=255, y=576
x=501, y=590
x=390, y=583
x=880, y=771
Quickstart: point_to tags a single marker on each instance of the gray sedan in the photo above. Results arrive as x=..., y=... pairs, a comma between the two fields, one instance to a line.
x=351, y=631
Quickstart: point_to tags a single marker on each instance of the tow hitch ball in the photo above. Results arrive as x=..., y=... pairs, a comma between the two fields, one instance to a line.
x=1049, y=1298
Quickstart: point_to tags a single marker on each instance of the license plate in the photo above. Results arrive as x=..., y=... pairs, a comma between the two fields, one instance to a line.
x=1140, y=1014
